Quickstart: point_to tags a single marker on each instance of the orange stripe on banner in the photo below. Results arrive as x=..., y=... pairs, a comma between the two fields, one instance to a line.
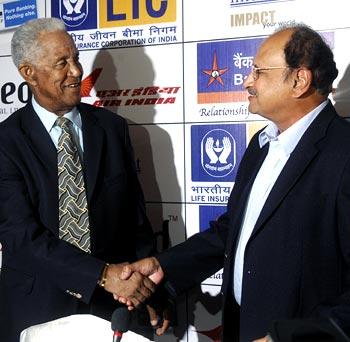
x=228, y=96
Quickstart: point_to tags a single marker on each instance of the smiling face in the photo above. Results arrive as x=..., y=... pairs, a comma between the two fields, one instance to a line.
x=56, y=74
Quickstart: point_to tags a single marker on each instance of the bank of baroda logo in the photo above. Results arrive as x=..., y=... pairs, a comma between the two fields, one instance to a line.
x=221, y=69
x=216, y=151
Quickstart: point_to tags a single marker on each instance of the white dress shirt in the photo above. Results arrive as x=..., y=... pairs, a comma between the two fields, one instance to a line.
x=281, y=146
x=48, y=119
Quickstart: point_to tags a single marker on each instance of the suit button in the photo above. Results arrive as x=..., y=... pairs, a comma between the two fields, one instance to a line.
x=226, y=255
x=78, y=295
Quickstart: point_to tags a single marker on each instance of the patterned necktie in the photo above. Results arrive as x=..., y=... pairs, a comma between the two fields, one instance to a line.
x=73, y=209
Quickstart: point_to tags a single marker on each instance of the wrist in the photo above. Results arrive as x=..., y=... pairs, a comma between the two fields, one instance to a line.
x=103, y=278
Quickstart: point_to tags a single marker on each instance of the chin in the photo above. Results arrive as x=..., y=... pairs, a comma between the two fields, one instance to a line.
x=74, y=102
x=252, y=110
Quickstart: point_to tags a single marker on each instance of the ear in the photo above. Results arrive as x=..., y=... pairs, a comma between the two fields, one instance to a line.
x=302, y=79
x=27, y=71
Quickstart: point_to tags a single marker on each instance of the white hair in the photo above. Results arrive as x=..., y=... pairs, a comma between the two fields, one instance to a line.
x=25, y=41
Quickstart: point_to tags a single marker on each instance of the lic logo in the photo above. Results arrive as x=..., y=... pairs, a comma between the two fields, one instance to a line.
x=73, y=12
x=218, y=153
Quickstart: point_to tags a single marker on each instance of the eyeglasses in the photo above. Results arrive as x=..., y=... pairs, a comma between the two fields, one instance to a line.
x=256, y=71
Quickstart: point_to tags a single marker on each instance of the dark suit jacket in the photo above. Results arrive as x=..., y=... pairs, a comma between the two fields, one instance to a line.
x=298, y=257
x=43, y=277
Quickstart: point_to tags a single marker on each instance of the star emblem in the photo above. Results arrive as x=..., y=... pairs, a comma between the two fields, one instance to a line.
x=214, y=334
x=215, y=73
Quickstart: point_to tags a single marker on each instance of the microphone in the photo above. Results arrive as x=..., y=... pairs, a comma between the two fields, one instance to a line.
x=120, y=322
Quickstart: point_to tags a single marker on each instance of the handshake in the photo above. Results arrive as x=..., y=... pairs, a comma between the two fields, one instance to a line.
x=133, y=284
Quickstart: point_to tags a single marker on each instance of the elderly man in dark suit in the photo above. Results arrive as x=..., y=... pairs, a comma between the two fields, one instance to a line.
x=71, y=207
x=284, y=241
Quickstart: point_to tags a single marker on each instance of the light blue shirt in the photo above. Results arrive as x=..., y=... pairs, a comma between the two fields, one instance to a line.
x=280, y=148
x=291, y=136
x=49, y=121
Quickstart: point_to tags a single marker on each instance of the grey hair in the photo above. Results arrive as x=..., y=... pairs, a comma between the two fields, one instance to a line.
x=25, y=41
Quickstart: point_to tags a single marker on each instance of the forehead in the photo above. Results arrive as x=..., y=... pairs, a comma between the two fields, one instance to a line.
x=56, y=43
x=271, y=51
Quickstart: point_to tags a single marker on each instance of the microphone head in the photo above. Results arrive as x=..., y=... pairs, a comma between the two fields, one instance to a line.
x=121, y=319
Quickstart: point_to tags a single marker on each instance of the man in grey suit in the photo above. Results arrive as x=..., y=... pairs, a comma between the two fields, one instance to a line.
x=284, y=241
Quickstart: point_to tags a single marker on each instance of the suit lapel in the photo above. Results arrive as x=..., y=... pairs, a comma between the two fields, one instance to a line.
x=249, y=168
x=39, y=139
x=93, y=143
x=44, y=161
x=301, y=157
x=42, y=146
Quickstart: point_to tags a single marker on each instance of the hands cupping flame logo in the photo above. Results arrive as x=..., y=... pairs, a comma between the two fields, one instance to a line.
x=218, y=150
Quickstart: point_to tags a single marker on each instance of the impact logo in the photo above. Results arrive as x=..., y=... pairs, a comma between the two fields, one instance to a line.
x=76, y=14
x=238, y=3
x=222, y=68
x=216, y=151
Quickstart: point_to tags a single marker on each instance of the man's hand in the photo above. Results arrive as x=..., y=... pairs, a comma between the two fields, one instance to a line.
x=136, y=289
x=148, y=267
x=161, y=324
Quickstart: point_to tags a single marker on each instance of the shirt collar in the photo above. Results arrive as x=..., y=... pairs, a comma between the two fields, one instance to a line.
x=289, y=138
x=48, y=118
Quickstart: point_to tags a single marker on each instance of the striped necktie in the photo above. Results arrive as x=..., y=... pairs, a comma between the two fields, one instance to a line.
x=73, y=208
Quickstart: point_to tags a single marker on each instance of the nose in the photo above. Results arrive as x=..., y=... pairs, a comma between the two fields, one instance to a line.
x=75, y=69
x=248, y=81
